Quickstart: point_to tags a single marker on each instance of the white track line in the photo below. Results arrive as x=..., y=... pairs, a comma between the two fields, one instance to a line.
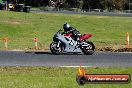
x=74, y=66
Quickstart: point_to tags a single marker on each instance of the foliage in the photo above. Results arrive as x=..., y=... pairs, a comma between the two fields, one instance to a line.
x=115, y=4
x=82, y=4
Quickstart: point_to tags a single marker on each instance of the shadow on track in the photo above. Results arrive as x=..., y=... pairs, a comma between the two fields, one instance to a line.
x=40, y=52
x=49, y=53
x=43, y=53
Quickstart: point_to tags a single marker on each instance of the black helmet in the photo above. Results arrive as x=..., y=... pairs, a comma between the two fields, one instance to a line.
x=66, y=27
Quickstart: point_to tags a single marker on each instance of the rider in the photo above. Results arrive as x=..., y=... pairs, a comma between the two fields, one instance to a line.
x=69, y=29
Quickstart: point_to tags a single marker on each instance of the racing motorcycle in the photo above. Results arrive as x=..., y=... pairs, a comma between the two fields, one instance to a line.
x=64, y=43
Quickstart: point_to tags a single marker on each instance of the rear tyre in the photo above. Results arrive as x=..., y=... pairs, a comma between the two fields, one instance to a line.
x=89, y=49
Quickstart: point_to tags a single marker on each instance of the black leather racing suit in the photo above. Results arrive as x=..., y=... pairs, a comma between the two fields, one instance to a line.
x=75, y=34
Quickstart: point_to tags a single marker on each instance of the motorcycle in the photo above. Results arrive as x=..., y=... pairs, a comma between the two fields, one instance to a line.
x=64, y=43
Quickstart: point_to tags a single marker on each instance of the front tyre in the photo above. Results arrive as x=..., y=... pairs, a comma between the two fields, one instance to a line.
x=88, y=49
x=54, y=49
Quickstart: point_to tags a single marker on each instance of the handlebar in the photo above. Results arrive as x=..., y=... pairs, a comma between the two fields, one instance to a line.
x=59, y=31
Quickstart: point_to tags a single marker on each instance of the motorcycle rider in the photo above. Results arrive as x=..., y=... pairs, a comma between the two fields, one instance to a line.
x=69, y=29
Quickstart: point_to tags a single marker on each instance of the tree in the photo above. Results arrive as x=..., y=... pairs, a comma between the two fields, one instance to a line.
x=92, y=4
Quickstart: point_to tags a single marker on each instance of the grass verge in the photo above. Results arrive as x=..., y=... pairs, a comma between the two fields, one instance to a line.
x=20, y=28
x=49, y=77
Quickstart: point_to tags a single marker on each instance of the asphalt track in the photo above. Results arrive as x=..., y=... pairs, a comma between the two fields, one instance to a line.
x=89, y=13
x=21, y=58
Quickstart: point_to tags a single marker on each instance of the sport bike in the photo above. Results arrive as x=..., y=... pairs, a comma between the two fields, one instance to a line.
x=64, y=43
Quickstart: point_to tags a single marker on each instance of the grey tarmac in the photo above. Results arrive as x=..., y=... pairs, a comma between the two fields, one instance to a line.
x=121, y=14
x=98, y=59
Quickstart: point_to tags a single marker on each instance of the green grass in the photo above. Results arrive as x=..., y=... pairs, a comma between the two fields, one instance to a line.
x=20, y=28
x=49, y=77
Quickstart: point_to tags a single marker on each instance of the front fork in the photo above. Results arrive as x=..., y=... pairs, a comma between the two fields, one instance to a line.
x=58, y=45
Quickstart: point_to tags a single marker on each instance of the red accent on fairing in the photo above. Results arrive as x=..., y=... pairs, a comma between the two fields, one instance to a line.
x=85, y=36
x=70, y=34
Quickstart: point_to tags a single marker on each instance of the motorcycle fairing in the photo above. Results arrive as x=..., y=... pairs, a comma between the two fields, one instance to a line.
x=70, y=44
x=68, y=34
x=85, y=36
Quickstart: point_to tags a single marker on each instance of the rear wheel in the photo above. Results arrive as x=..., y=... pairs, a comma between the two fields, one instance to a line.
x=88, y=49
x=54, y=49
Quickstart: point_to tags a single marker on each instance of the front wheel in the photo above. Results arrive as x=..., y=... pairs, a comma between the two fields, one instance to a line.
x=54, y=49
x=88, y=49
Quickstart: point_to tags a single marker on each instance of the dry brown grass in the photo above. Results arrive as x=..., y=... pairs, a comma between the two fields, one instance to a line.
x=14, y=22
x=114, y=49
